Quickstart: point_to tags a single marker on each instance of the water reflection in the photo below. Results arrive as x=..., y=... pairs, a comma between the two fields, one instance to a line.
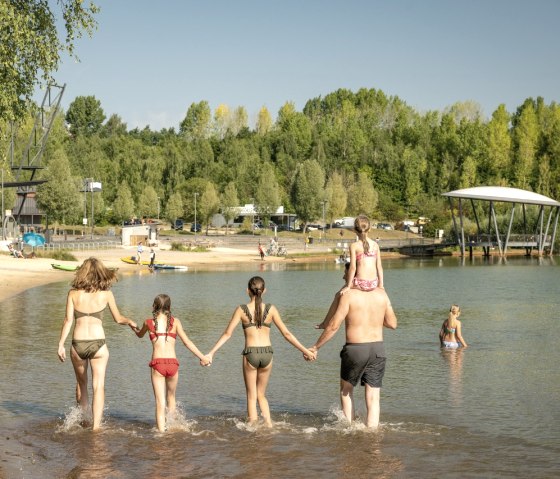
x=454, y=362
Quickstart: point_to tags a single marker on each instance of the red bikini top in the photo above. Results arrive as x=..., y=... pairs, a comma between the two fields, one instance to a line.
x=152, y=329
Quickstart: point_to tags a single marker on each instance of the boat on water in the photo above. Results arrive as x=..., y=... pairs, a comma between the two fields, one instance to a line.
x=171, y=267
x=65, y=267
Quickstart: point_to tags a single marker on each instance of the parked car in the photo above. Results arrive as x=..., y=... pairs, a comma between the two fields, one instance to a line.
x=178, y=225
x=285, y=228
x=384, y=226
x=196, y=227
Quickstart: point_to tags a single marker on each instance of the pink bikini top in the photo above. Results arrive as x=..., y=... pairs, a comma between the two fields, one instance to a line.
x=369, y=254
x=152, y=329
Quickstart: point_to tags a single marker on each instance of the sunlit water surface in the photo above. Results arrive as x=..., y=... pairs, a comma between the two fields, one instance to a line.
x=488, y=411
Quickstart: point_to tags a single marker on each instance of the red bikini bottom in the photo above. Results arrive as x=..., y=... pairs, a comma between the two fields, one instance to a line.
x=167, y=367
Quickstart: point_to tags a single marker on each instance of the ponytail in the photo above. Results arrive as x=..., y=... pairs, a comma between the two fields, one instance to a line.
x=256, y=288
x=361, y=226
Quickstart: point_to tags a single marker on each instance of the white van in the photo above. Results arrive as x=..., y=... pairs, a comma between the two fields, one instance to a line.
x=346, y=222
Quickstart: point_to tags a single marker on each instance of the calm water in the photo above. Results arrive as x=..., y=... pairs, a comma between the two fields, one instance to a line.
x=489, y=411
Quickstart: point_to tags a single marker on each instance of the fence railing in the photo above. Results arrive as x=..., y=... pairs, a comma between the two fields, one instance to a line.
x=79, y=245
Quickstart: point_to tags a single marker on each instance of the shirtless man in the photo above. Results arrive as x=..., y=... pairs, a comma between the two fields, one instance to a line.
x=365, y=313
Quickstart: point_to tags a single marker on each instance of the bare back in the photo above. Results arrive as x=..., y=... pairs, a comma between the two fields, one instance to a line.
x=87, y=326
x=365, y=316
x=366, y=265
x=255, y=336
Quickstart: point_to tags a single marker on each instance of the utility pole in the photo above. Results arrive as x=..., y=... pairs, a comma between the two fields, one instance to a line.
x=195, y=224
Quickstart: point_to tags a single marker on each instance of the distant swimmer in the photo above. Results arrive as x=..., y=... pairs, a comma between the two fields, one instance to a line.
x=366, y=271
x=256, y=318
x=363, y=356
x=163, y=330
x=450, y=334
x=87, y=300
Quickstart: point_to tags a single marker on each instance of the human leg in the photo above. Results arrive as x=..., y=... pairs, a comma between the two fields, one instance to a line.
x=159, y=386
x=347, y=399
x=171, y=388
x=263, y=375
x=80, y=370
x=372, y=406
x=98, y=368
x=250, y=377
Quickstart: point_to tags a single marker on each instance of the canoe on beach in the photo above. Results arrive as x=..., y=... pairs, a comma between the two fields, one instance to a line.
x=132, y=260
x=171, y=267
x=65, y=267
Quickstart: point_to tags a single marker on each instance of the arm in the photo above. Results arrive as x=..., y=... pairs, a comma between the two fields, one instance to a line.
x=188, y=343
x=117, y=316
x=66, y=326
x=379, y=267
x=234, y=321
x=140, y=332
x=337, y=319
x=460, y=335
x=390, y=319
x=288, y=336
x=351, y=269
x=330, y=312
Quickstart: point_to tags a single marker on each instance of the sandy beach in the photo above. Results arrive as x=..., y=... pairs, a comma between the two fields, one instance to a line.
x=17, y=275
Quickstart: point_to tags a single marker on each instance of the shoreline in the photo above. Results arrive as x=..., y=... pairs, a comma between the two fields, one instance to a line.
x=18, y=274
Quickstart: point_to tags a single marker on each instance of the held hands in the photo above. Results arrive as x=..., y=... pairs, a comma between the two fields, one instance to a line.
x=310, y=354
x=206, y=360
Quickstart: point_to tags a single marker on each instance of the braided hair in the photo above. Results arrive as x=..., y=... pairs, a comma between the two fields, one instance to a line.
x=162, y=304
x=361, y=226
x=256, y=288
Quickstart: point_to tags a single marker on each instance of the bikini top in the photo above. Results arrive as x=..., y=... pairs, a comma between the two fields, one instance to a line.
x=152, y=329
x=248, y=314
x=450, y=330
x=97, y=314
x=369, y=254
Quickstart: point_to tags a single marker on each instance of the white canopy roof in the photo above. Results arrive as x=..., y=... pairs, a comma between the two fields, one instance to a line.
x=501, y=193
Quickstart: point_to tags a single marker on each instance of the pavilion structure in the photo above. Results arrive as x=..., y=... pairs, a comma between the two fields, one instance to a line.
x=539, y=236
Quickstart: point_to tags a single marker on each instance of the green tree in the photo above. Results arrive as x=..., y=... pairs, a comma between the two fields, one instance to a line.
x=174, y=208
x=499, y=145
x=336, y=197
x=362, y=197
x=147, y=204
x=307, y=191
x=85, y=115
x=59, y=197
x=31, y=46
x=196, y=124
x=525, y=135
x=123, y=207
x=264, y=121
x=209, y=204
x=267, y=197
x=230, y=202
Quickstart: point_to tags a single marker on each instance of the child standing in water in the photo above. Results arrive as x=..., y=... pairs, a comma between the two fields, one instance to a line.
x=450, y=335
x=163, y=328
x=365, y=272
x=256, y=319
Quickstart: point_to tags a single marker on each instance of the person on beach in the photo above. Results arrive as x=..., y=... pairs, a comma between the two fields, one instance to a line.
x=87, y=300
x=334, y=305
x=152, y=259
x=363, y=356
x=450, y=335
x=256, y=319
x=139, y=251
x=163, y=330
x=366, y=271
x=261, y=251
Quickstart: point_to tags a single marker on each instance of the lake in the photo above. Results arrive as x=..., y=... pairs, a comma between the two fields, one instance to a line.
x=490, y=410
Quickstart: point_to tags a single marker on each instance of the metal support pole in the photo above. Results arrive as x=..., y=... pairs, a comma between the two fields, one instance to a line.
x=493, y=213
x=509, y=227
x=453, y=218
x=554, y=230
x=540, y=230
x=462, y=227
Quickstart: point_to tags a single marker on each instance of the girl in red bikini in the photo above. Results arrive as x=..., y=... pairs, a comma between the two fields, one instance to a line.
x=163, y=329
x=365, y=271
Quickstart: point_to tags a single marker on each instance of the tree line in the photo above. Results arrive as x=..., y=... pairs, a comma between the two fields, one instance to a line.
x=345, y=153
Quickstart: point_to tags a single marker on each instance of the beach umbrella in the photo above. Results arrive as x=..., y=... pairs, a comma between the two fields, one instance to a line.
x=33, y=239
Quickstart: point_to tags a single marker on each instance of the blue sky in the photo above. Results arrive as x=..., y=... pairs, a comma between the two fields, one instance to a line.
x=149, y=60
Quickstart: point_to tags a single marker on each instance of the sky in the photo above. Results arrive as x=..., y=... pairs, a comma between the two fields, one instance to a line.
x=150, y=60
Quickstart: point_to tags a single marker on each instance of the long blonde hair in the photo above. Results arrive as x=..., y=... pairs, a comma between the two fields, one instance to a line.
x=454, y=313
x=93, y=276
x=361, y=226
